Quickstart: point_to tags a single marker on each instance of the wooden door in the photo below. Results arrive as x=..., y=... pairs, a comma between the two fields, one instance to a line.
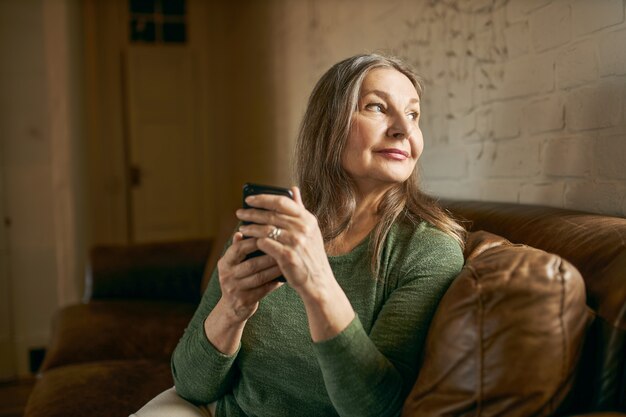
x=163, y=146
x=7, y=342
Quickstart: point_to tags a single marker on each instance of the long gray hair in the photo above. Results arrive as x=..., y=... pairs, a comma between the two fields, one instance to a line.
x=327, y=189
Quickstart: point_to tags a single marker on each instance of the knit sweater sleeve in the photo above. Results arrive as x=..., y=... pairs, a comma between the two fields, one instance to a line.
x=202, y=374
x=371, y=374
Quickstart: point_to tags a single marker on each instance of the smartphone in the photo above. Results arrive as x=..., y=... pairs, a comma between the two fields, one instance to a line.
x=254, y=189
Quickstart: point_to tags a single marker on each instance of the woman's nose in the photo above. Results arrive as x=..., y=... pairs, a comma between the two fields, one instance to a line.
x=399, y=128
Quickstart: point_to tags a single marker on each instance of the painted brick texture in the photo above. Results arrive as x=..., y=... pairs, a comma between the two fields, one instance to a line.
x=544, y=119
x=524, y=101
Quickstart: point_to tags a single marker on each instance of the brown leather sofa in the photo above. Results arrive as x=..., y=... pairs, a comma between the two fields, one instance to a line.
x=534, y=325
x=109, y=355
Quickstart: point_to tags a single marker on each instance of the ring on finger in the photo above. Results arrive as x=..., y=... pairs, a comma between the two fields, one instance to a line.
x=275, y=233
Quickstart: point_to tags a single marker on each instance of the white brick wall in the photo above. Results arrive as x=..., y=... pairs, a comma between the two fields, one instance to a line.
x=544, y=114
x=506, y=119
x=592, y=15
x=526, y=76
x=515, y=159
x=445, y=163
x=613, y=53
x=525, y=100
x=549, y=114
x=577, y=65
x=517, y=39
x=518, y=9
x=611, y=157
x=595, y=107
x=568, y=157
x=551, y=26
x=595, y=196
x=542, y=193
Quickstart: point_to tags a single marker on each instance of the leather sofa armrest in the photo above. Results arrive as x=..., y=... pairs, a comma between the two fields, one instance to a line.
x=507, y=336
x=156, y=271
x=116, y=330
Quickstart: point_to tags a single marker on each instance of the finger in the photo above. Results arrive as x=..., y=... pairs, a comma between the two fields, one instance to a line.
x=264, y=217
x=239, y=249
x=297, y=196
x=259, y=293
x=278, y=203
x=262, y=231
x=253, y=265
x=272, y=248
x=259, y=278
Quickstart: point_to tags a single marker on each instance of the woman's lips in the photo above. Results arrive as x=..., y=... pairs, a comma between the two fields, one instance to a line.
x=392, y=153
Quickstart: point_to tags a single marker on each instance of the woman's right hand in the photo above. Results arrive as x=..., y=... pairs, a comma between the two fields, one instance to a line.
x=245, y=282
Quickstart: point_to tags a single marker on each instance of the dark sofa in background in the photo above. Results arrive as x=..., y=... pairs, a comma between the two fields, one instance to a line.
x=513, y=301
x=109, y=355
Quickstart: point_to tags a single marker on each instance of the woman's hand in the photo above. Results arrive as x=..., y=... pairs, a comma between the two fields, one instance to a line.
x=299, y=251
x=298, y=248
x=245, y=282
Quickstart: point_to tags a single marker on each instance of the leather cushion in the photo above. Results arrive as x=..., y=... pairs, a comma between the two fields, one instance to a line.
x=506, y=337
x=103, y=330
x=98, y=389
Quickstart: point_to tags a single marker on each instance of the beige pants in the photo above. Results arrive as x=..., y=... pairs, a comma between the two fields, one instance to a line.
x=169, y=404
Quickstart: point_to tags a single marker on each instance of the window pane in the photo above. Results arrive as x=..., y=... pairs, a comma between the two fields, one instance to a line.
x=142, y=6
x=173, y=7
x=174, y=32
x=142, y=30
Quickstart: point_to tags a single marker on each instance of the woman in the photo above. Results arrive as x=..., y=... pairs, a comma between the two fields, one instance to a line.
x=366, y=257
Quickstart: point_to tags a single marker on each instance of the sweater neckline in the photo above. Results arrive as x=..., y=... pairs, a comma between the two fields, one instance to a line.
x=355, y=252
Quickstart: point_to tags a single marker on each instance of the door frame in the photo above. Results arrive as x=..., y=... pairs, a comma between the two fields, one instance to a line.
x=108, y=158
x=8, y=368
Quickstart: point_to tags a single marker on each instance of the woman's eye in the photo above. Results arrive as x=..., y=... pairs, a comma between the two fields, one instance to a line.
x=413, y=115
x=377, y=107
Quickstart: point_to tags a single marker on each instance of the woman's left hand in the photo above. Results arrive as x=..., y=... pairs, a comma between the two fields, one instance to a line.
x=298, y=248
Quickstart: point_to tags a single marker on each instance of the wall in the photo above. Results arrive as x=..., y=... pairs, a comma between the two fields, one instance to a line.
x=26, y=160
x=40, y=140
x=65, y=126
x=524, y=100
x=7, y=345
x=245, y=138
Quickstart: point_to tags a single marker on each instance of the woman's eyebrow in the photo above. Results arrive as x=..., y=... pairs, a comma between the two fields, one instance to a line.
x=384, y=95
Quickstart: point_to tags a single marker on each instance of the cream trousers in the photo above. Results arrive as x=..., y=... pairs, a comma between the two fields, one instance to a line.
x=169, y=404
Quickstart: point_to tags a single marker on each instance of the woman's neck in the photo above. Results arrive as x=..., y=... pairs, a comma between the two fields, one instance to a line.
x=363, y=220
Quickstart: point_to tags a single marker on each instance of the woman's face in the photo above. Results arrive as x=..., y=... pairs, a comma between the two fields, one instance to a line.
x=385, y=140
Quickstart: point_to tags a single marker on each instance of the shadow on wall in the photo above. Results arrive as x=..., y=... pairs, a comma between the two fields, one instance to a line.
x=587, y=159
x=249, y=142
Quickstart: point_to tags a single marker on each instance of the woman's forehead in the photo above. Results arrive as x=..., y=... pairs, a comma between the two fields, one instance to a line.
x=386, y=82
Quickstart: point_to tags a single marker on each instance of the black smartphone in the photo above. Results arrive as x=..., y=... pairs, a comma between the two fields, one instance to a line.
x=254, y=189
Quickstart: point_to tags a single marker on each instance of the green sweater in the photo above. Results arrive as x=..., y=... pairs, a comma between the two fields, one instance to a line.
x=366, y=370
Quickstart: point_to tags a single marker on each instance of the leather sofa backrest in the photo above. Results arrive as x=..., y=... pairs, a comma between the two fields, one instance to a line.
x=596, y=246
x=169, y=271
